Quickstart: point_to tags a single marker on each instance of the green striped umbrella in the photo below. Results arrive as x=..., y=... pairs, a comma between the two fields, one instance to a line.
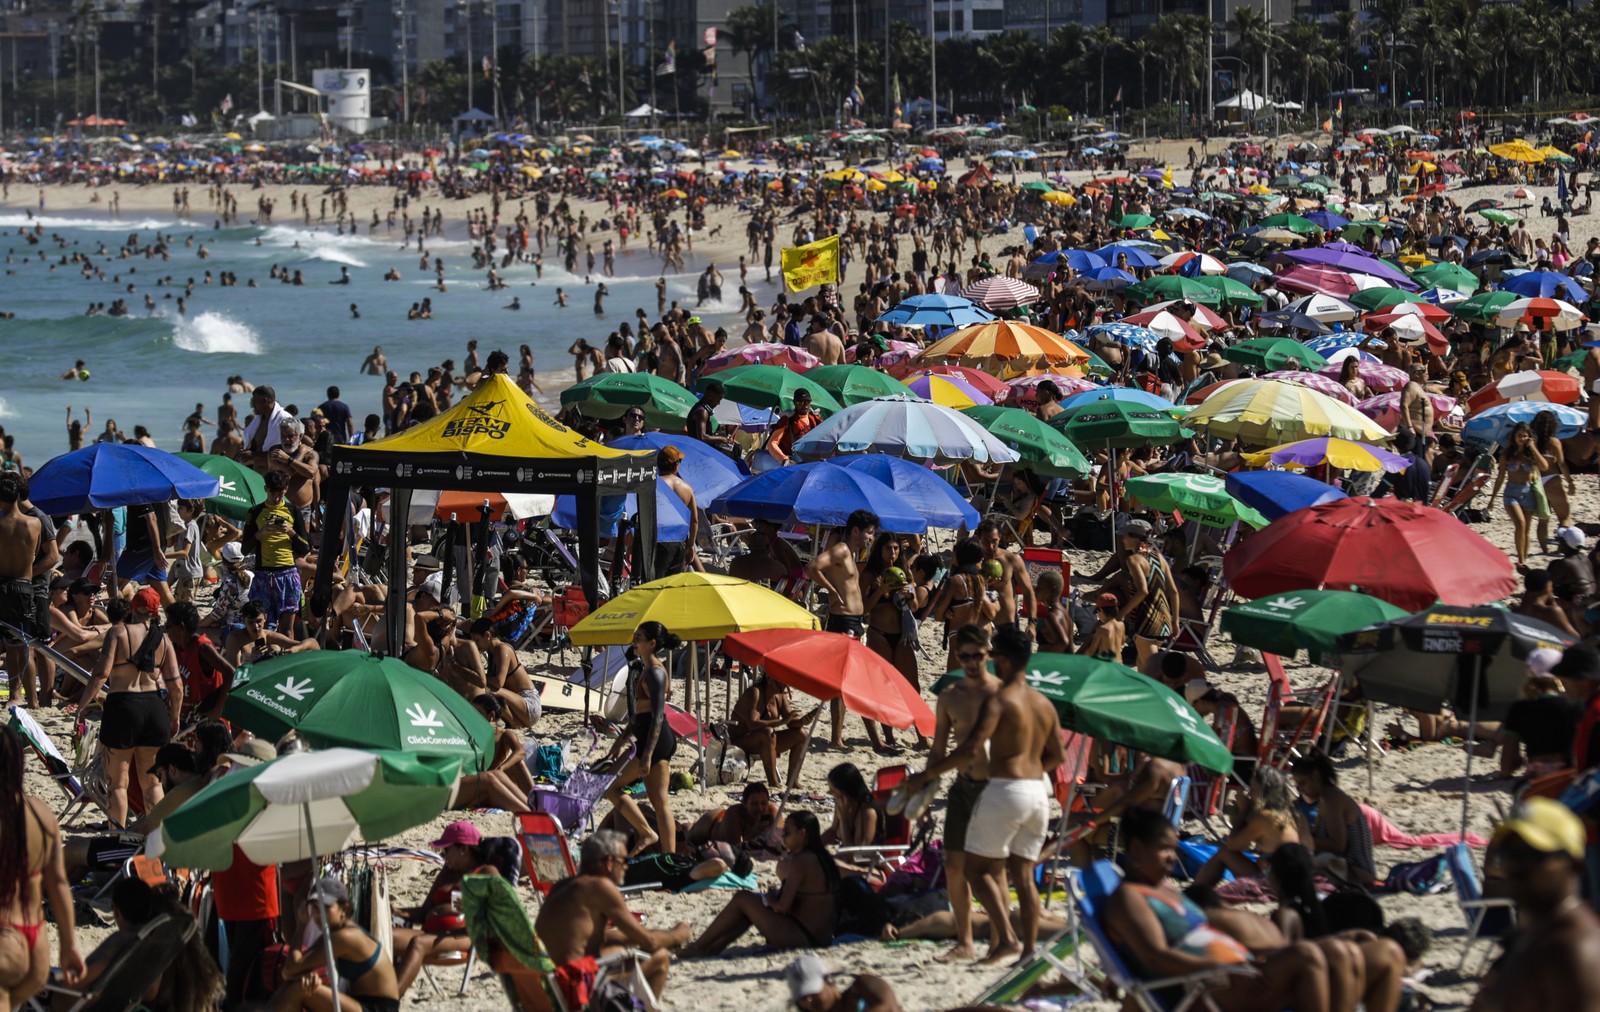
x=1164, y=287
x=1202, y=498
x=1274, y=353
x=773, y=386
x=1042, y=449
x=1313, y=620
x=341, y=697
x=239, y=488
x=1233, y=293
x=852, y=384
x=1483, y=307
x=1292, y=222
x=1371, y=300
x=666, y=404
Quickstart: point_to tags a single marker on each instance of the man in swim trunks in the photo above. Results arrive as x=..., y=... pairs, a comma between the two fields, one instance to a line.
x=834, y=570
x=585, y=918
x=20, y=535
x=1020, y=730
x=273, y=532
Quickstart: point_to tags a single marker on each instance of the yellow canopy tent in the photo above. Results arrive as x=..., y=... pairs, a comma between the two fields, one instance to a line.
x=496, y=439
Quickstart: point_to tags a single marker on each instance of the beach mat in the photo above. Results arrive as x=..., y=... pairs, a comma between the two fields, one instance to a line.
x=1008, y=990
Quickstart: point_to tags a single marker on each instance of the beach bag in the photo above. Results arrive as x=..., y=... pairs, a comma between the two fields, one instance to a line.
x=611, y=996
x=1541, y=502
x=861, y=910
x=1417, y=878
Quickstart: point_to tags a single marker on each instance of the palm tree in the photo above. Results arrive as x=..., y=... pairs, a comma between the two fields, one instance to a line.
x=749, y=30
x=1103, y=40
x=1180, y=38
x=1252, y=39
x=1390, y=22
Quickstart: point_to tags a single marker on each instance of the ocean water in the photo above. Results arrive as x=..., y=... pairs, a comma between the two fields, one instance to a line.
x=151, y=369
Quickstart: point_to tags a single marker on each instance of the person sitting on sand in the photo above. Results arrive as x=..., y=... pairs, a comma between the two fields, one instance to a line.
x=1340, y=835
x=738, y=825
x=442, y=927
x=811, y=988
x=802, y=912
x=1268, y=821
x=366, y=971
x=586, y=918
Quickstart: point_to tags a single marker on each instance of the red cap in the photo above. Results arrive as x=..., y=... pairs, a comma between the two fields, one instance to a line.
x=147, y=599
x=458, y=832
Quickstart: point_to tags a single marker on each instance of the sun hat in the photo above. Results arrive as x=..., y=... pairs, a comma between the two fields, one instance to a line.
x=1542, y=660
x=232, y=553
x=1545, y=825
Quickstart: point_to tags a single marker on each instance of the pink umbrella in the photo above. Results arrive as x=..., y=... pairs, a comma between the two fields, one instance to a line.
x=1316, y=381
x=1318, y=279
x=901, y=348
x=1000, y=293
x=1385, y=408
x=1375, y=375
x=1023, y=388
x=1204, y=319
x=797, y=359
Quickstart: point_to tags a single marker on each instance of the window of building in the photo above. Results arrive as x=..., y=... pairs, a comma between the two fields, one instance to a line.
x=941, y=21
x=988, y=20
x=961, y=21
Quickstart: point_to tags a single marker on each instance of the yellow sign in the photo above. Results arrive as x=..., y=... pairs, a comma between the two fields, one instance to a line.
x=815, y=263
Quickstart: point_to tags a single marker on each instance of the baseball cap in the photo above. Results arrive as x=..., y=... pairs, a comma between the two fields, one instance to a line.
x=1545, y=825
x=805, y=976
x=232, y=552
x=462, y=832
x=252, y=753
x=328, y=891
x=1541, y=660
x=148, y=599
x=1572, y=537
x=670, y=455
x=1107, y=600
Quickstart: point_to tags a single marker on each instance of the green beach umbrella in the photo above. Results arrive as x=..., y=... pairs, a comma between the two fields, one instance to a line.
x=774, y=386
x=1116, y=704
x=666, y=404
x=1358, y=230
x=1164, y=287
x=1274, y=353
x=239, y=488
x=1312, y=620
x=1483, y=307
x=1039, y=186
x=1292, y=222
x=1233, y=293
x=1447, y=275
x=852, y=384
x=1135, y=221
x=1371, y=300
x=344, y=698
x=1202, y=498
x=1498, y=216
x=1043, y=449
x=1112, y=424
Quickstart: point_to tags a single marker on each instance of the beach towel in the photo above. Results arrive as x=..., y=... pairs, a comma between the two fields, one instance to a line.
x=727, y=880
x=1387, y=834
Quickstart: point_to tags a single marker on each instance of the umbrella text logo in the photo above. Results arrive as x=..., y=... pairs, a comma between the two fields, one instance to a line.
x=1286, y=603
x=420, y=718
x=298, y=691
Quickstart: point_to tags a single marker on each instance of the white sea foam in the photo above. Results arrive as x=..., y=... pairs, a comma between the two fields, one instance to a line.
x=215, y=333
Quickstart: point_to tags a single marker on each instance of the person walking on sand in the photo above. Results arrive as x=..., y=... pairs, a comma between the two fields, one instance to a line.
x=654, y=740
x=1019, y=729
x=834, y=571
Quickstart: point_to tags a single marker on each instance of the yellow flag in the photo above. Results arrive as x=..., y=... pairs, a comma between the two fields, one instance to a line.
x=815, y=263
x=1166, y=178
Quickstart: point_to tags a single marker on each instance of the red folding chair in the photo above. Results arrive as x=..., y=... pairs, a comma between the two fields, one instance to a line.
x=896, y=828
x=546, y=856
x=1278, y=742
x=1209, y=791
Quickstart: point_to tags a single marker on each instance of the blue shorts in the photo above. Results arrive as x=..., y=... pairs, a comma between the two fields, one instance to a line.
x=276, y=590
x=1518, y=495
x=139, y=567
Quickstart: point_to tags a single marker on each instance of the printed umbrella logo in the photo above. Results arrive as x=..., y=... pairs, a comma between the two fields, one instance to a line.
x=227, y=485
x=296, y=690
x=1287, y=603
x=420, y=718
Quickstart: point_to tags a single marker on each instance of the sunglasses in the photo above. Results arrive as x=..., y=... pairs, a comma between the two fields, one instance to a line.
x=970, y=655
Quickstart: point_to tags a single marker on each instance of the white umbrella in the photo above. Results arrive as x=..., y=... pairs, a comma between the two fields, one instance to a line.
x=1326, y=308
x=904, y=427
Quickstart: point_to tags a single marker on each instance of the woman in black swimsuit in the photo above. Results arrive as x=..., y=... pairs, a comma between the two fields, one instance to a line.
x=648, y=689
x=802, y=913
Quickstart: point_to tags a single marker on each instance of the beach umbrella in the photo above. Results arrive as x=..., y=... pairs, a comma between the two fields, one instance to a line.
x=1107, y=422
x=1323, y=307
x=1003, y=342
x=772, y=386
x=852, y=384
x=666, y=404
x=1373, y=300
x=1325, y=385
x=1175, y=286
x=1340, y=345
x=1138, y=258
x=992, y=387
x=1430, y=311
x=1023, y=390
x=1517, y=150
x=1447, y=275
x=1409, y=328
x=672, y=513
x=1231, y=292
x=1267, y=412
x=1040, y=448
x=108, y=475
x=1492, y=426
x=1207, y=264
x=344, y=698
x=761, y=353
x=1106, y=279
x=1292, y=222
x=1354, y=262
x=1385, y=408
x=709, y=472
x=1343, y=454
x=1483, y=307
x=1285, y=319
x=1184, y=336
x=1273, y=353
x=1375, y=375
x=238, y=487
x=1202, y=498
x=1405, y=553
x=903, y=427
x=1327, y=220
x=1315, y=279
x=1546, y=284
x=1531, y=385
x=831, y=666
x=1275, y=493
x=929, y=493
x=1079, y=260
x=1130, y=395
x=1113, y=703
x=1132, y=222
x=820, y=492
x=695, y=606
x=1247, y=272
x=1204, y=319
x=1127, y=334
x=950, y=391
x=1542, y=314
x=1311, y=620
x=1000, y=293
x=935, y=311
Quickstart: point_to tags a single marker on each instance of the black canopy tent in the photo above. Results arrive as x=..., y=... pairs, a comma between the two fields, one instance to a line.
x=495, y=440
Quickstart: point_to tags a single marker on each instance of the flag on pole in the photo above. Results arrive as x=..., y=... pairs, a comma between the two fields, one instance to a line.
x=669, y=64
x=1118, y=99
x=488, y=66
x=815, y=263
x=856, y=98
x=227, y=103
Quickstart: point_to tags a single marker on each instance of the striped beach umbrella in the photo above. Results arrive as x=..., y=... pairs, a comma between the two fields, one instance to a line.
x=1268, y=412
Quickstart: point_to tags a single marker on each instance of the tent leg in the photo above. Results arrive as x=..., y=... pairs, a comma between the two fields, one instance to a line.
x=588, y=503
x=394, y=619
x=644, y=535
x=332, y=537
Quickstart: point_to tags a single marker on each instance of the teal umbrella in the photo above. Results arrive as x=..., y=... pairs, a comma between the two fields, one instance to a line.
x=1117, y=424
x=774, y=386
x=852, y=384
x=1042, y=449
x=1164, y=287
x=1274, y=353
x=239, y=488
x=1305, y=619
x=666, y=404
x=1232, y=293
x=341, y=697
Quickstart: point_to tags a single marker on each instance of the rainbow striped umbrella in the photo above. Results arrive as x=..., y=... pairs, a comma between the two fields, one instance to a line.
x=1343, y=454
x=951, y=391
x=1267, y=412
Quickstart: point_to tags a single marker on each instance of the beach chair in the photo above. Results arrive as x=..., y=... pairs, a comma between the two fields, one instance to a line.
x=897, y=829
x=122, y=986
x=1281, y=741
x=1091, y=888
x=574, y=802
x=546, y=855
x=1209, y=789
x=1487, y=917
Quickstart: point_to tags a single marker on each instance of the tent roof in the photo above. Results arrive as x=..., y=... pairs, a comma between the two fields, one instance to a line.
x=643, y=110
x=1246, y=99
x=495, y=439
x=476, y=116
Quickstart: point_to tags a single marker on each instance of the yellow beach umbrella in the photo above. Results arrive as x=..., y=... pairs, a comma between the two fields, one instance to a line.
x=1518, y=150
x=1060, y=197
x=1268, y=412
x=233, y=137
x=845, y=176
x=695, y=607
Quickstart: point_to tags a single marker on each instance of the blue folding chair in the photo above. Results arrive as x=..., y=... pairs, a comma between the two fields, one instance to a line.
x=1487, y=917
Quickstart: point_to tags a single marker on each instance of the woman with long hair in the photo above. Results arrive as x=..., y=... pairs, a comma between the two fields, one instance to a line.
x=32, y=861
x=1558, y=484
x=1362, y=966
x=1267, y=822
x=364, y=968
x=1520, y=464
x=655, y=742
x=1350, y=378
x=857, y=820
x=802, y=913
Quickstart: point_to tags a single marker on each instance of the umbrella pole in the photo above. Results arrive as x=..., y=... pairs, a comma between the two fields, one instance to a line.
x=322, y=911
x=705, y=714
x=1333, y=711
x=1472, y=733
x=794, y=774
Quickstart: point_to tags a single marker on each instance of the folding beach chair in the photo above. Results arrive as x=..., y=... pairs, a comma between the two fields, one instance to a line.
x=73, y=781
x=897, y=829
x=1487, y=917
x=1091, y=889
x=573, y=803
x=546, y=855
x=1209, y=789
x=121, y=988
x=1280, y=741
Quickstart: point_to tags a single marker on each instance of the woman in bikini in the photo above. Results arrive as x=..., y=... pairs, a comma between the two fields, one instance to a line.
x=1558, y=484
x=1108, y=637
x=365, y=971
x=1148, y=591
x=962, y=600
x=506, y=676
x=890, y=627
x=857, y=821
x=1268, y=821
x=656, y=743
x=1520, y=461
x=32, y=862
x=802, y=913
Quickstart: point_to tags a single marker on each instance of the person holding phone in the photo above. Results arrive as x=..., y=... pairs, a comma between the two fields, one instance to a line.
x=275, y=533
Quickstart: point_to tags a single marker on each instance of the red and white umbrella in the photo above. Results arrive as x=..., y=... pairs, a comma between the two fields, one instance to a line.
x=1532, y=385
x=1208, y=263
x=1024, y=388
x=1376, y=375
x=1426, y=310
x=1541, y=314
x=1204, y=318
x=1385, y=408
x=1410, y=328
x=1184, y=336
x=1000, y=293
x=797, y=359
x=1318, y=279
x=1326, y=385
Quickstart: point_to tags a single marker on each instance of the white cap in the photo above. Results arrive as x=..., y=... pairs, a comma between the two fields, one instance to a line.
x=806, y=976
x=433, y=585
x=1572, y=537
x=231, y=552
x=1543, y=659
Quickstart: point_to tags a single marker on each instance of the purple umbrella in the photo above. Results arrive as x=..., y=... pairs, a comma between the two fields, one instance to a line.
x=1312, y=452
x=1354, y=262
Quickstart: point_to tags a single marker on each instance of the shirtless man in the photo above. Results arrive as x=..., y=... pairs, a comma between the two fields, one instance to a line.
x=957, y=711
x=834, y=570
x=1591, y=382
x=299, y=460
x=135, y=663
x=1022, y=735
x=1015, y=583
x=1416, y=411
x=770, y=559
x=375, y=363
x=585, y=918
x=20, y=537
x=1554, y=962
x=253, y=641
x=675, y=556
x=824, y=343
x=263, y=431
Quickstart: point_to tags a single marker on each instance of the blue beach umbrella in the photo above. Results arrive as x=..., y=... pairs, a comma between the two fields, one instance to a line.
x=107, y=475
x=1080, y=260
x=709, y=472
x=1327, y=220
x=672, y=516
x=1546, y=285
x=1107, y=279
x=1130, y=335
x=936, y=310
x=928, y=492
x=1136, y=257
x=1276, y=493
x=1493, y=425
x=1132, y=395
x=819, y=493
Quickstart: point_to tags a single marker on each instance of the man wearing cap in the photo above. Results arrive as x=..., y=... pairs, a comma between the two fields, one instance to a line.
x=181, y=779
x=585, y=918
x=1572, y=574
x=676, y=556
x=779, y=447
x=1554, y=960
x=812, y=989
